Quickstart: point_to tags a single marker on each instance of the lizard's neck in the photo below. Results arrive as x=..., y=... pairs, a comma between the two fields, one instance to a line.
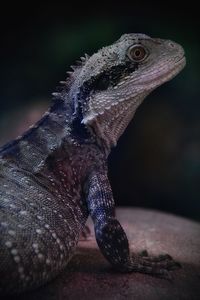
x=57, y=126
x=109, y=125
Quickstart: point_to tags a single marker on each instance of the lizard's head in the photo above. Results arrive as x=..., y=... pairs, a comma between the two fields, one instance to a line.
x=115, y=80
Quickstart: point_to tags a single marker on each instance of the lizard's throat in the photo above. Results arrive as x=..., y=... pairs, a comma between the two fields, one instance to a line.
x=110, y=125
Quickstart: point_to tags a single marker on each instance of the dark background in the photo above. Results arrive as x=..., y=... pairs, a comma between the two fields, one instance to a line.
x=157, y=161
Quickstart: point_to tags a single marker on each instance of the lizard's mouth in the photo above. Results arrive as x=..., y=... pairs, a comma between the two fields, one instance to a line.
x=168, y=73
x=172, y=72
x=180, y=63
x=181, y=60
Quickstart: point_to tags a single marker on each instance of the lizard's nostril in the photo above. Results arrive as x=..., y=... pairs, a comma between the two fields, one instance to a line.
x=171, y=45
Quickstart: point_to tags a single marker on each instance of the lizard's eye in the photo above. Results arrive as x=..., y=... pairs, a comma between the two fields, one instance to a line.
x=137, y=53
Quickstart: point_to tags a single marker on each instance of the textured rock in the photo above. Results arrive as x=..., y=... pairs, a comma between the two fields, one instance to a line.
x=89, y=276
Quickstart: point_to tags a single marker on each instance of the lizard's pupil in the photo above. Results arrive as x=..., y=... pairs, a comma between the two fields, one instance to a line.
x=137, y=53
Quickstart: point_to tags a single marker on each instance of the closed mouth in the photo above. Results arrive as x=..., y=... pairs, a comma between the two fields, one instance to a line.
x=181, y=60
x=172, y=72
x=169, y=74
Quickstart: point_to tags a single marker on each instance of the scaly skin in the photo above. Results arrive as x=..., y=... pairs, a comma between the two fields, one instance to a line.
x=55, y=175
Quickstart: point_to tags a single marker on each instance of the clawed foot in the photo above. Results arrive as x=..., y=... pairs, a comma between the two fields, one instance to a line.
x=154, y=265
x=85, y=234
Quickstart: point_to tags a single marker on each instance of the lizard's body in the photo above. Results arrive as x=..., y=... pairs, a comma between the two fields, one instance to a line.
x=55, y=175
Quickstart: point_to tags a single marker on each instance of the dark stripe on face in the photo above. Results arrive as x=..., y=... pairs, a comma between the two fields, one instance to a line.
x=107, y=78
x=112, y=76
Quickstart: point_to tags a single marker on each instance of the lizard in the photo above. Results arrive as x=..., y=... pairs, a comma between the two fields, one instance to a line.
x=55, y=175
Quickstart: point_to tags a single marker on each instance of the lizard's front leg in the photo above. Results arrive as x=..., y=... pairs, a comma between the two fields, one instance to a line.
x=110, y=235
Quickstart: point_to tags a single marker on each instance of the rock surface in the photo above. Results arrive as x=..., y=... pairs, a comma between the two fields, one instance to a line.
x=89, y=275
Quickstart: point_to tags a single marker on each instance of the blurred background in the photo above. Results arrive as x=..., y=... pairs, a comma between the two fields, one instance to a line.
x=157, y=161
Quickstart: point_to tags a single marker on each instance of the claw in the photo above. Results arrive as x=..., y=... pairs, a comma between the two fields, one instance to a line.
x=154, y=265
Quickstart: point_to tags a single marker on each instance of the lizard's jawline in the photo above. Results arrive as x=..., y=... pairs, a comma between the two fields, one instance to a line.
x=171, y=73
x=168, y=75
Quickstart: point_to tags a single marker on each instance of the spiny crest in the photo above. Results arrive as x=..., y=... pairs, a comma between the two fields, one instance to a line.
x=71, y=75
